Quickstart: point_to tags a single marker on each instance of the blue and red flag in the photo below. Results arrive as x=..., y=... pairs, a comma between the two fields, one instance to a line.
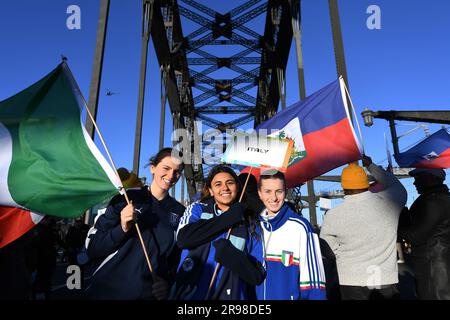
x=323, y=135
x=433, y=152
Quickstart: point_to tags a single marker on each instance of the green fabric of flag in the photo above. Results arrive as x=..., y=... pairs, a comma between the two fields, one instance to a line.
x=48, y=162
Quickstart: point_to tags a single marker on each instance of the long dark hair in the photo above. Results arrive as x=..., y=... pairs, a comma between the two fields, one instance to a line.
x=250, y=215
x=164, y=152
x=214, y=171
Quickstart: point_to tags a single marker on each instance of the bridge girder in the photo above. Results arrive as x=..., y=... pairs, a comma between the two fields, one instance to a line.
x=267, y=52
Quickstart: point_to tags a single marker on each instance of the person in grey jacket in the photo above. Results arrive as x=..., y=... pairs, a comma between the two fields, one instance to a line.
x=362, y=233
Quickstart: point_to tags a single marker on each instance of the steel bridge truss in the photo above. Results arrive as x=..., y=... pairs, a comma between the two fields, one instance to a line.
x=197, y=95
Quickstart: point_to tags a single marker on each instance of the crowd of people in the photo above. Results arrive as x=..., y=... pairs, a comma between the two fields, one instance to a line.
x=238, y=244
x=28, y=264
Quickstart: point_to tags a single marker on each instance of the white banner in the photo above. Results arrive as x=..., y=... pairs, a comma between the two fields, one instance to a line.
x=258, y=151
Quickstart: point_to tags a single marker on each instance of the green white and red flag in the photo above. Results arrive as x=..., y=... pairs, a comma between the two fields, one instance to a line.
x=48, y=163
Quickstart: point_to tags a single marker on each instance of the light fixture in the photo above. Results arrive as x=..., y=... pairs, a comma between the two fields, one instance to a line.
x=368, y=117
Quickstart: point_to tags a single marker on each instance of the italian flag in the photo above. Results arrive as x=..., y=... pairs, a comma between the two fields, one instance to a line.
x=48, y=163
x=287, y=258
x=14, y=222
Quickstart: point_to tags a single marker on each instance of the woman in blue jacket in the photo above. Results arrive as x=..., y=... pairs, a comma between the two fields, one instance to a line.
x=202, y=234
x=291, y=250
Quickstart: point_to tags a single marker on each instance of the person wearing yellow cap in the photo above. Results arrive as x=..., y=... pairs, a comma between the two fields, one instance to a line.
x=354, y=178
x=132, y=181
x=362, y=233
x=129, y=179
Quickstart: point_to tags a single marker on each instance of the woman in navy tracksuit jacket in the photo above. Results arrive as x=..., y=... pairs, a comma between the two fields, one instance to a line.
x=202, y=234
x=121, y=270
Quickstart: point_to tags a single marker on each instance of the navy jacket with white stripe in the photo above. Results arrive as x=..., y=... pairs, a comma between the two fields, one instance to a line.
x=121, y=270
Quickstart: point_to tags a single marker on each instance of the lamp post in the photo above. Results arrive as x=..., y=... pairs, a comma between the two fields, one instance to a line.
x=437, y=116
x=368, y=117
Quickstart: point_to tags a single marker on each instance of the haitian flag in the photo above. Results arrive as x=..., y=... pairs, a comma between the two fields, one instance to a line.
x=323, y=134
x=433, y=152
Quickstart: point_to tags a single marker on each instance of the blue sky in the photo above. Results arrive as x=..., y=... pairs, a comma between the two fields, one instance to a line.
x=403, y=66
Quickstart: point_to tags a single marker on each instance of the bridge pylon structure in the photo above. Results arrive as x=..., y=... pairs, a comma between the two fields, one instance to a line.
x=257, y=35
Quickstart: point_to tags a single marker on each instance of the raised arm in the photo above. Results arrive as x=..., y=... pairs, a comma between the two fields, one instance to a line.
x=195, y=230
x=245, y=265
x=392, y=186
x=108, y=234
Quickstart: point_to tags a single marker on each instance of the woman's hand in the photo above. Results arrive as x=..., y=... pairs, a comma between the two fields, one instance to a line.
x=159, y=288
x=127, y=217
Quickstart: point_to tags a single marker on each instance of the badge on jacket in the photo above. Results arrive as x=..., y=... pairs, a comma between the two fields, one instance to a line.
x=287, y=258
x=174, y=219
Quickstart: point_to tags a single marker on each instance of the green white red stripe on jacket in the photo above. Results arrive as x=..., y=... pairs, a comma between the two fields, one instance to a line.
x=286, y=258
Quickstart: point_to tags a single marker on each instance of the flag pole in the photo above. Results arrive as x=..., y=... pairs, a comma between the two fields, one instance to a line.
x=245, y=184
x=356, y=117
x=388, y=154
x=75, y=85
x=228, y=236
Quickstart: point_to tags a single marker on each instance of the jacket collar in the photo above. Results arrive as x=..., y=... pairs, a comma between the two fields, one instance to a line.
x=436, y=189
x=211, y=207
x=357, y=197
x=167, y=200
x=278, y=220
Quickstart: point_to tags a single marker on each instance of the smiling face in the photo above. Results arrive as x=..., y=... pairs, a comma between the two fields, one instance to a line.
x=272, y=193
x=165, y=174
x=224, y=190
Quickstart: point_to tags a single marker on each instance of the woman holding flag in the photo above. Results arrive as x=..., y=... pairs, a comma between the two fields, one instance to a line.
x=203, y=234
x=113, y=243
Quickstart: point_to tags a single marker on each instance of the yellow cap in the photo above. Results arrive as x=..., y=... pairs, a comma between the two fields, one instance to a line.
x=354, y=177
x=132, y=181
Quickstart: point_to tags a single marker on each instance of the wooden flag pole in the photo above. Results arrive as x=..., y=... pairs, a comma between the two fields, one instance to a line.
x=228, y=236
x=245, y=184
x=112, y=162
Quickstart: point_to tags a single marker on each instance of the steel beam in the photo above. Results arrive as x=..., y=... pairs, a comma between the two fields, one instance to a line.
x=295, y=18
x=435, y=116
x=275, y=55
x=96, y=77
x=177, y=60
x=224, y=109
x=338, y=41
x=147, y=13
x=442, y=117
